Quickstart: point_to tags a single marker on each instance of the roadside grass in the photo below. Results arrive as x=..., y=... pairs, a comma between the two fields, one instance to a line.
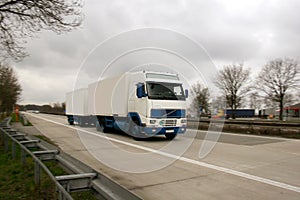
x=2, y=116
x=20, y=119
x=17, y=180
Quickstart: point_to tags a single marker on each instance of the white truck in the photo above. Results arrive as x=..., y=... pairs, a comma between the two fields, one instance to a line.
x=142, y=104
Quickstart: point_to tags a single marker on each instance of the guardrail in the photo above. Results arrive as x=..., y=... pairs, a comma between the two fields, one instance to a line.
x=84, y=178
x=249, y=122
x=273, y=128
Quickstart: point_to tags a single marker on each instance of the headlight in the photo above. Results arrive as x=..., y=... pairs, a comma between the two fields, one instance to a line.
x=183, y=121
x=152, y=121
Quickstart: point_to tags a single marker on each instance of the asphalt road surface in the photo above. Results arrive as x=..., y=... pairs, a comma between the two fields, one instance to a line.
x=237, y=167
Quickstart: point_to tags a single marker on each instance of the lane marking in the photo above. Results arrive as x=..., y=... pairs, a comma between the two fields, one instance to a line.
x=188, y=160
x=252, y=136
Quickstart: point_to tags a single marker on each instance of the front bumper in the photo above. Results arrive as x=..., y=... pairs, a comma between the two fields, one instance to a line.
x=163, y=130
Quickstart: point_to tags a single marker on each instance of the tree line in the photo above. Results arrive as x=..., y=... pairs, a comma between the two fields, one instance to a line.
x=10, y=88
x=52, y=108
x=274, y=86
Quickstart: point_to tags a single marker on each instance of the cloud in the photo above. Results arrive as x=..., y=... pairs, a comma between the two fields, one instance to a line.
x=231, y=31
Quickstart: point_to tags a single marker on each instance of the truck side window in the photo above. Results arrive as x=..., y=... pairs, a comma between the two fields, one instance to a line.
x=140, y=90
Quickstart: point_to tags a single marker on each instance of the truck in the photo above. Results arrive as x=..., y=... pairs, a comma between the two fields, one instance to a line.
x=267, y=113
x=141, y=104
x=240, y=113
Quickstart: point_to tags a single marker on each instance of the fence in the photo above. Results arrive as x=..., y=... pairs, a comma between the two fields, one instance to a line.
x=90, y=180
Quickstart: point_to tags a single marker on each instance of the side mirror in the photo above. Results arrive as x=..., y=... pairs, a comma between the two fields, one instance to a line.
x=186, y=92
x=140, y=90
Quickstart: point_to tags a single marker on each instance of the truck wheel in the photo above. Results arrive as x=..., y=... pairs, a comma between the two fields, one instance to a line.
x=98, y=128
x=70, y=119
x=135, y=133
x=101, y=126
x=170, y=136
x=81, y=121
x=134, y=130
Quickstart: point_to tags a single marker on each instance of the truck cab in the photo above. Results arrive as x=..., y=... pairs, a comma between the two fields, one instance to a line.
x=159, y=104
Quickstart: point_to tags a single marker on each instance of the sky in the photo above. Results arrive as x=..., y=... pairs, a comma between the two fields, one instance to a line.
x=229, y=31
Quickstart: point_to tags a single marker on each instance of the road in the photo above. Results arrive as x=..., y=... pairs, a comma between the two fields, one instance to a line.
x=238, y=167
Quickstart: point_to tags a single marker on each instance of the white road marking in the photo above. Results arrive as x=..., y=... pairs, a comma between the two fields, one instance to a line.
x=252, y=136
x=188, y=160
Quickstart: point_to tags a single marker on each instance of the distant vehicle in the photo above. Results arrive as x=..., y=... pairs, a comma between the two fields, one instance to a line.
x=268, y=113
x=240, y=113
x=220, y=114
x=33, y=111
x=141, y=104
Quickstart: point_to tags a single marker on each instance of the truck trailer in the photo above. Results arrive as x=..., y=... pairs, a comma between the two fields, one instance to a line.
x=240, y=113
x=142, y=104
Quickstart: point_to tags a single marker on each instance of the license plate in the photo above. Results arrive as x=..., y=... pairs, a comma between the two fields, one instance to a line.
x=169, y=131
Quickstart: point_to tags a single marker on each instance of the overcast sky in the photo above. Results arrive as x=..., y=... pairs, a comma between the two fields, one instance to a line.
x=231, y=31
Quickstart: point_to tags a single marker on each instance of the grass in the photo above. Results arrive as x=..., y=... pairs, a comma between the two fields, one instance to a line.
x=20, y=119
x=2, y=116
x=17, y=180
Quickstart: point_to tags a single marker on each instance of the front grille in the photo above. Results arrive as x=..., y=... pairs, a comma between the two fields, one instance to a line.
x=167, y=113
x=170, y=122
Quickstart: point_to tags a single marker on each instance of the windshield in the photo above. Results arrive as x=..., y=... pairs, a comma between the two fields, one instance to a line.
x=166, y=91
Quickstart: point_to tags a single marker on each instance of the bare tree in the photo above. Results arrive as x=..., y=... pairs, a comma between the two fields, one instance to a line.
x=255, y=100
x=10, y=89
x=276, y=79
x=233, y=81
x=20, y=19
x=201, y=98
x=218, y=103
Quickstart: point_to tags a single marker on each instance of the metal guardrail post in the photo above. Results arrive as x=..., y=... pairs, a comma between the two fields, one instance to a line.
x=46, y=155
x=13, y=149
x=19, y=136
x=37, y=173
x=61, y=196
x=6, y=143
x=1, y=137
x=25, y=122
x=23, y=156
x=30, y=143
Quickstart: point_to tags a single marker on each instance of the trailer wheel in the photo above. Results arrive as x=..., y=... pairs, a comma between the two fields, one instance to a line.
x=81, y=121
x=170, y=136
x=101, y=126
x=70, y=119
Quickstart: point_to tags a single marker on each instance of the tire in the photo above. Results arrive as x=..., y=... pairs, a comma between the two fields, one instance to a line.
x=98, y=128
x=101, y=126
x=170, y=136
x=134, y=129
x=70, y=119
x=81, y=121
x=135, y=132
